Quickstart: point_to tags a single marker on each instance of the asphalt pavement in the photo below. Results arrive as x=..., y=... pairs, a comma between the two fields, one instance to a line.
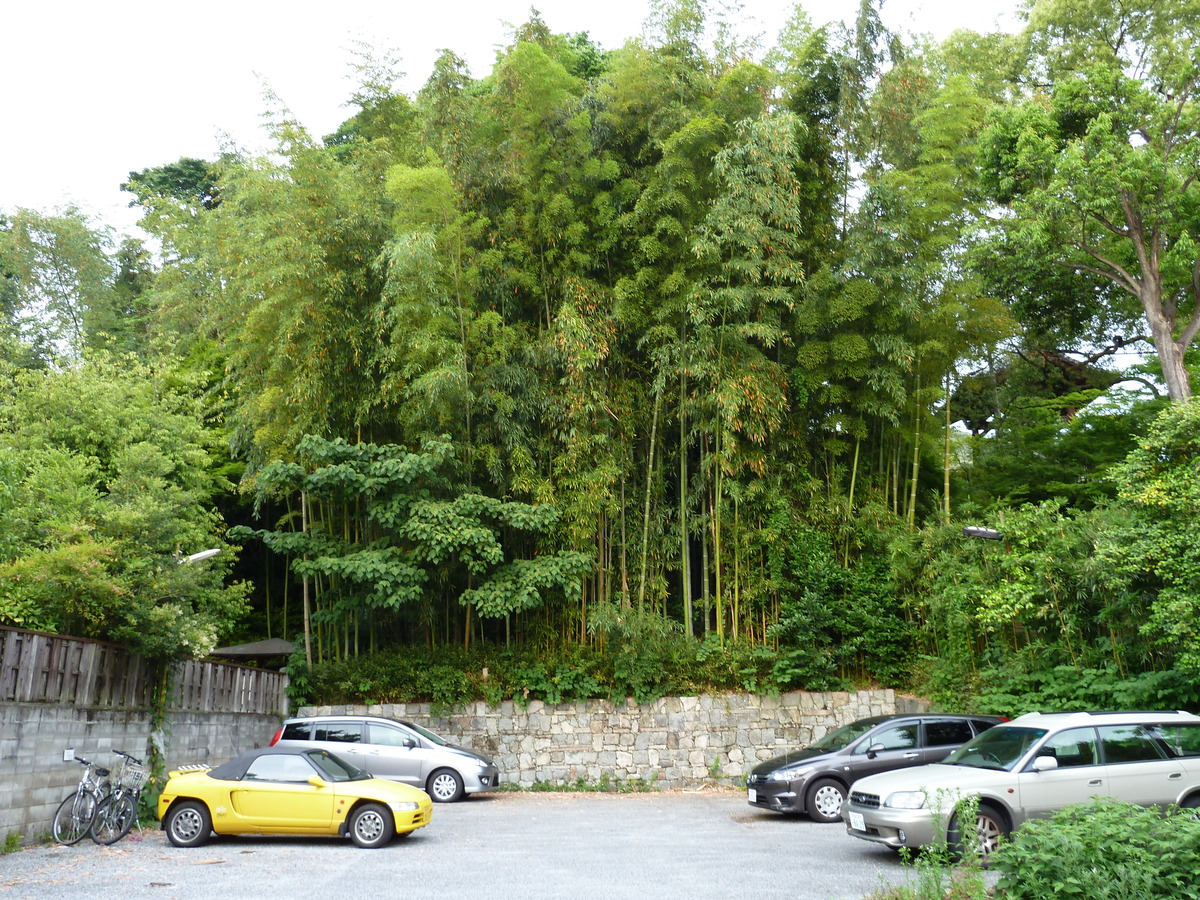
x=533, y=846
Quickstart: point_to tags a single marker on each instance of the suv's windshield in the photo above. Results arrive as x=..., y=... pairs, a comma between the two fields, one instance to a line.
x=844, y=736
x=1000, y=747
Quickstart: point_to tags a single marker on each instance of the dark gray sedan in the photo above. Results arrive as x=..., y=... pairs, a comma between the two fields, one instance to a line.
x=816, y=778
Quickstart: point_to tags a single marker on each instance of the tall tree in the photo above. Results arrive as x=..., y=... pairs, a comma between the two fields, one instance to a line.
x=61, y=273
x=1098, y=171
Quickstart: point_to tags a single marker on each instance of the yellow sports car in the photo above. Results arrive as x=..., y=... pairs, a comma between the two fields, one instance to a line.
x=285, y=790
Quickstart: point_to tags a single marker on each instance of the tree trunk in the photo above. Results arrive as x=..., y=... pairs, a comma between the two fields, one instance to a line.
x=916, y=459
x=308, y=658
x=646, y=510
x=685, y=561
x=946, y=458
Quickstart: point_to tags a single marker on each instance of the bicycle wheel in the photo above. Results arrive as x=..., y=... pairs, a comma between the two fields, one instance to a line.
x=73, y=819
x=114, y=817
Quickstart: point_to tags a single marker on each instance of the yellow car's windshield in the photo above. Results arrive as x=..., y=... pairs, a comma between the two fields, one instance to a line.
x=334, y=768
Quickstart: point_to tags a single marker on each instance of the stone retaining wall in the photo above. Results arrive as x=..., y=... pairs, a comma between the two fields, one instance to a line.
x=675, y=742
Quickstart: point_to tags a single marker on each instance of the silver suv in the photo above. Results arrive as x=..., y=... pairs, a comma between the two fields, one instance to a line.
x=398, y=751
x=1029, y=768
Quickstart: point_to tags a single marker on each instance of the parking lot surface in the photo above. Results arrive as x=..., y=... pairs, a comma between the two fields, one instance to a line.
x=534, y=846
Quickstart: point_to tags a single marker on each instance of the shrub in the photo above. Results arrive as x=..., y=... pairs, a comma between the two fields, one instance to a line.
x=1103, y=850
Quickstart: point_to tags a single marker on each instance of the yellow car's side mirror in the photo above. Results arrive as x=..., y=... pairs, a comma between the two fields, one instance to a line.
x=315, y=781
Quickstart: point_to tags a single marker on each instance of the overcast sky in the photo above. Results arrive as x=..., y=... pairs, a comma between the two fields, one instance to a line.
x=93, y=89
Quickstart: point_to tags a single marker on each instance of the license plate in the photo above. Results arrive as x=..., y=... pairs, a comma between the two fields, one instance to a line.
x=856, y=822
x=753, y=794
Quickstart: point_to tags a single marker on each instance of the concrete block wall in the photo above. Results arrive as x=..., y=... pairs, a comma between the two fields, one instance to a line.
x=674, y=742
x=34, y=779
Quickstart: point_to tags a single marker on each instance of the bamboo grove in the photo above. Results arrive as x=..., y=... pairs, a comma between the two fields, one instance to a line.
x=721, y=337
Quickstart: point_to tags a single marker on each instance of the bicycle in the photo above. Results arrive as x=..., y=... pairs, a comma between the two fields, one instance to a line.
x=117, y=812
x=73, y=818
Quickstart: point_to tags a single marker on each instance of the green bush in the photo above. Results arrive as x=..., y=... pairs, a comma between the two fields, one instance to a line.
x=1010, y=691
x=633, y=661
x=1103, y=850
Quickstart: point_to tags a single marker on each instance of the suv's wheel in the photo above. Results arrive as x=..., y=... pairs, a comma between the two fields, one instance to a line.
x=825, y=799
x=444, y=786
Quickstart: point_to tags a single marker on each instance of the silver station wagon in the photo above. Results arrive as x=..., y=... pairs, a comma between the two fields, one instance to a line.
x=1029, y=768
x=398, y=751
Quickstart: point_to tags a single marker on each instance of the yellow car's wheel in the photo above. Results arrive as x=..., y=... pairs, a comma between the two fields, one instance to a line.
x=188, y=824
x=372, y=825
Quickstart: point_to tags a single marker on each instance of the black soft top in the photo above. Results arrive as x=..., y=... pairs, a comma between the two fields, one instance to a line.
x=236, y=768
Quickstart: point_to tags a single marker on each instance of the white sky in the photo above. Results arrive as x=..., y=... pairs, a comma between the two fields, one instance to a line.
x=93, y=89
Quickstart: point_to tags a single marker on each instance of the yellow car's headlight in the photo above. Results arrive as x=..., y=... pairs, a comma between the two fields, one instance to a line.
x=404, y=806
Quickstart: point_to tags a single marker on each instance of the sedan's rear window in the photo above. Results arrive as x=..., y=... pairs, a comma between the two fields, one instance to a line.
x=939, y=733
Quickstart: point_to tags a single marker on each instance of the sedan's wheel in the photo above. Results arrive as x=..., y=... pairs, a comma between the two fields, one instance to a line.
x=1192, y=803
x=990, y=831
x=372, y=825
x=445, y=786
x=825, y=799
x=188, y=824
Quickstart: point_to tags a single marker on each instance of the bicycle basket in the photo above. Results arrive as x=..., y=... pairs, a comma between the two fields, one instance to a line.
x=133, y=777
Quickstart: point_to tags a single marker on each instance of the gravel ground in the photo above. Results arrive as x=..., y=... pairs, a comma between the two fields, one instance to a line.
x=704, y=844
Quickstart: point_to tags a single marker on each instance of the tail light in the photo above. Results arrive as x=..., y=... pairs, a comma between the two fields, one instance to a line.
x=275, y=739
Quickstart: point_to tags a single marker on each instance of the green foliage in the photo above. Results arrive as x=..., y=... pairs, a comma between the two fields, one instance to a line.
x=108, y=473
x=1097, y=168
x=1006, y=690
x=1153, y=549
x=411, y=532
x=12, y=843
x=943, y=872
x=450, y=677
x=58, y=270
x=606, y=785
x=641, y=649
x=836, y=623
x=1103, y=849
x=673, y=335
x=1041, y=449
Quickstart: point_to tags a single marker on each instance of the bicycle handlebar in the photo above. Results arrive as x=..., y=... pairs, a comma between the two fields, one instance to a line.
x=100, y=770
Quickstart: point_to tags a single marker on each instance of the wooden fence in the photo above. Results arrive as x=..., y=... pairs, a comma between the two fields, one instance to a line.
x=49, y=668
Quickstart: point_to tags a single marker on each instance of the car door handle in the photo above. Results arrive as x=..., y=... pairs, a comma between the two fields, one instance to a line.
x=1174, y=776
x=911, y=755
x=1095, y=782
